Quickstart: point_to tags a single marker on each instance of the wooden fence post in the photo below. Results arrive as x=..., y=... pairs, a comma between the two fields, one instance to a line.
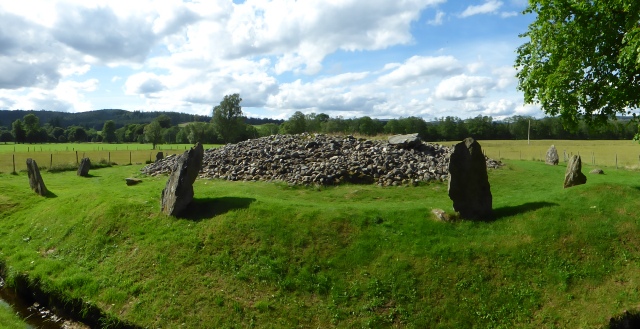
x=51, y=161
x=77, y=158
x=14, y=163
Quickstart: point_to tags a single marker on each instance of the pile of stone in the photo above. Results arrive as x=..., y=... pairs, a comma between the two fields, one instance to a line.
x=319, y=159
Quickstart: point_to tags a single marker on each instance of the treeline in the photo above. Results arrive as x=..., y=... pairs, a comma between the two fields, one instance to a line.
x=225, y=127
x=452, y=128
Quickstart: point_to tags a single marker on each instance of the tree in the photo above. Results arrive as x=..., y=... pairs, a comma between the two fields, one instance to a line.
x=19, y=134
x=153, y=133
x=227, y=118
x=297, y=124
x=164, y=121
x=109, y=132
x=32, y=128
x=582, y=59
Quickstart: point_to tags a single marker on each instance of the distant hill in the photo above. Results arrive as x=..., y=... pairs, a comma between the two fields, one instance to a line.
x=96, y=119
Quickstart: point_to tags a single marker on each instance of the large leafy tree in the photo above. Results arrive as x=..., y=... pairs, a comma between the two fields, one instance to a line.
x=18, y=131
x=109, y=132
x=227, y=119
x=582, y=59
x=153, y=133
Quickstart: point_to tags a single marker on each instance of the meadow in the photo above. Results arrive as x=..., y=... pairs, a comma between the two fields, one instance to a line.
x=268, y=255
x=60, y=155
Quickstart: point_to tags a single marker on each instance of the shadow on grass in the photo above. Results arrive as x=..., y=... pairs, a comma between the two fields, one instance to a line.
x=520, y=209
x=90, y=176
x=626, y=320
x=204, y=208
x=50, y=195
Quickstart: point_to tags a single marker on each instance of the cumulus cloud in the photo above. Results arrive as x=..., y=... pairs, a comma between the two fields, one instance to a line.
x=438, y=19
x=489, y=7
x=143, y=83
x=462, y=87
x=418, y=67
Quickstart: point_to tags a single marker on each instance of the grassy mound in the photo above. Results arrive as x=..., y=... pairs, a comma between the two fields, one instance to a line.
x=270, y=255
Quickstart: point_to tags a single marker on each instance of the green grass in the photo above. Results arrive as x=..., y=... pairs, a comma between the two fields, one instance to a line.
x=9, y=319
x=64, y=155
x=269, y=255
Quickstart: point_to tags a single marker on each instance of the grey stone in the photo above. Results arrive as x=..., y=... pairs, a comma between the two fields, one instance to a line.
x=35, y=180
x=83, y=168
x=597, y=171
x=552, y=157
x=178, y=192
x=441, y=215
x=133, y=181
x=159, y=156
x=469, y=187
x=573, y=175
x=405, y=141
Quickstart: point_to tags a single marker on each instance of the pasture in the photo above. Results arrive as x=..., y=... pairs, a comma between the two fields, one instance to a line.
x=258, y=254
x=60, y=155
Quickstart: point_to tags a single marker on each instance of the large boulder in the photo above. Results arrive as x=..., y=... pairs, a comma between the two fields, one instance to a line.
x=552, y=157
x=83, y=168
x=469, y=187
x=178, y=192
x=573, y=175
x=405, y=141
x=35, y=180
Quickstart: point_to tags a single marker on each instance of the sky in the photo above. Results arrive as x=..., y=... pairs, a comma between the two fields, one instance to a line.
x=351, y=58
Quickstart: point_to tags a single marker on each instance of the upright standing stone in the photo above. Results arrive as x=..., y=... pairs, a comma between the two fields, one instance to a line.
x=468, y=181
x=552, y=157
x=159, y=156
x=573, y=175
x=35, y=180
x=83, y=169
x=178, y=192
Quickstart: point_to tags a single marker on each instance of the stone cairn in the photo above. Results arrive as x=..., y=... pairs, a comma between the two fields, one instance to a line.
x=178, y=192
x=469, y=187
x=35, y=180
x=573, y=175
x=83, y=168
x=552, y=157
x=320, y=159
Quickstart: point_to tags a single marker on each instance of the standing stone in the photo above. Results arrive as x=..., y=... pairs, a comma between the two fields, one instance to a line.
x=159, y=156
x=468, y=181
x=83, y=169
x=178, y=192
x=552, y=157
x=35, y=180
x=574, y=176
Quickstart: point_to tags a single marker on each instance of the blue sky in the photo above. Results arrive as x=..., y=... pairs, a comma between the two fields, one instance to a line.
x=350, y=58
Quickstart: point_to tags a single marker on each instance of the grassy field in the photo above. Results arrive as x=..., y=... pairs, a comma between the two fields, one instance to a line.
x=52, y=155
x=595, y=152
x=269, y=255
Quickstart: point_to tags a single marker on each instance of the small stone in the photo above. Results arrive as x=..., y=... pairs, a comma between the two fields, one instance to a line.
x=133, y=181
x=597, y=171
x=440, y=215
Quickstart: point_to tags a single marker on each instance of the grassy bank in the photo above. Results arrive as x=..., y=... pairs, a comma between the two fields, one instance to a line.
x=270, y=255
x=9, y=319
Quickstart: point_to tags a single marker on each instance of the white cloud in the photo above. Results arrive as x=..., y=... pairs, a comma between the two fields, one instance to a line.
x=143, y=83
x=507, y=14
x=438, y=19
x=462, y=87
x=488, y=7
x=418, y=68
